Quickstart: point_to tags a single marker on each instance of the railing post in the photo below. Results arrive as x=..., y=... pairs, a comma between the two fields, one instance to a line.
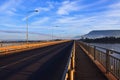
x=119, y=71
x=88, y=48
x=1, y=44
x=94, y=52
x=107, y=61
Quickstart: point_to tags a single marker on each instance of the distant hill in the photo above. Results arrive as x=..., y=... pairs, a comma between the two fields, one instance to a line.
x=102, y=33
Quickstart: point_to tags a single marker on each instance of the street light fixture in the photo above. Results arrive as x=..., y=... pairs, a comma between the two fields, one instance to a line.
x=27, y=25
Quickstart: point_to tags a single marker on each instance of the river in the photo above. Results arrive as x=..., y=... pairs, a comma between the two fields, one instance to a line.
x=115, y=47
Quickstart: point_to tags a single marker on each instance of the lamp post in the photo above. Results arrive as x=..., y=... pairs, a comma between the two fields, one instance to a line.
x=27, y=25
x=53, y=31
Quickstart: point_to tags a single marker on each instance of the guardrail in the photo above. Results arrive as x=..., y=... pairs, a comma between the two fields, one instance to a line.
x=70, y=67
x=105, y=57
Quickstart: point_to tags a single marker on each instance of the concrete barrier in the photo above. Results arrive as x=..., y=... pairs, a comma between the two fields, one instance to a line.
x=18, y=48
x=70, y=67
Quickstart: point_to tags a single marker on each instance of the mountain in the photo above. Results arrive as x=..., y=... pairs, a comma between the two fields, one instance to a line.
x=102, y=33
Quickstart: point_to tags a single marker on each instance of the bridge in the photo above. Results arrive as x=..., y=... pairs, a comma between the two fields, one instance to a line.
x=58, y=60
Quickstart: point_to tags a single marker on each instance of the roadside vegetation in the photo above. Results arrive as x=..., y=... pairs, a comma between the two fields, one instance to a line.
x=102, y=40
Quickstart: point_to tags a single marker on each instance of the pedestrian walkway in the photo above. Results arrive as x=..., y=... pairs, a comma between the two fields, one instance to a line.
x=85, y=69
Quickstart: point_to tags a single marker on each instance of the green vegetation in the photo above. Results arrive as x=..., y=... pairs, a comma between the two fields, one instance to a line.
x=102, y=40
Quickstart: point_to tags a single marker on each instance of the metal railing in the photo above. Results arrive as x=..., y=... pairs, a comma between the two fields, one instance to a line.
x=70, y=67
x=106, y=57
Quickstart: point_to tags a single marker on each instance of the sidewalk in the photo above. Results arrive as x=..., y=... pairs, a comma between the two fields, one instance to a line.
x=85, y=68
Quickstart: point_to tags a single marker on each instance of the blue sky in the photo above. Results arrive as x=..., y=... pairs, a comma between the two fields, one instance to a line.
x=72, y=18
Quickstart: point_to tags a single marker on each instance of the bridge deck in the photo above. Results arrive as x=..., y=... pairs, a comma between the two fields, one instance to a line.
x=85, y=68
x=47, y=63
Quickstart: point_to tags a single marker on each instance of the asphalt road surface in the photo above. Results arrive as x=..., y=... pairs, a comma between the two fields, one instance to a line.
x=85, y=69
x=47, y=63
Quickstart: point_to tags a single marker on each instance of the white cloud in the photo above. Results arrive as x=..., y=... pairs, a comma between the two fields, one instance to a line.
x=51, y=4
x=67, y=7
x=10, y=13
x=33, y=13
x=65, y=20
x=114, y=10
x=7, y=4
x=115, y=5
x=29, y=15
x=99, y=2
x=40, y=21
x=70, y=6
x=40, y=9
x=108, y=19
x=113, y=13
x=75, y=24
x=9, y=7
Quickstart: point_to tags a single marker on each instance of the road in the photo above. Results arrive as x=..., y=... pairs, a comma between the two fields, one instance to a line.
x=47, y=63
